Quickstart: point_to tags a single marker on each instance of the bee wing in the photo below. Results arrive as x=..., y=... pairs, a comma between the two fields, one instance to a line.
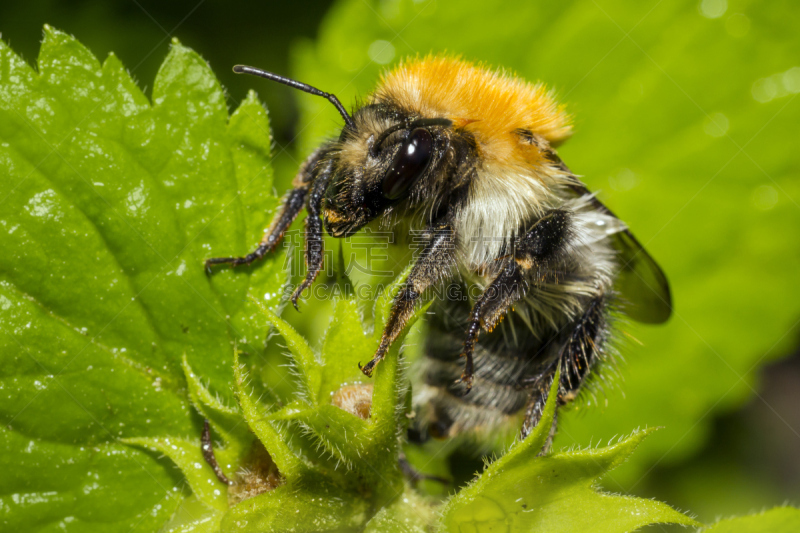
x=640, y=281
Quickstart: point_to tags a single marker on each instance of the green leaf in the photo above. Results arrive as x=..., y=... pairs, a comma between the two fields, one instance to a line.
x=110, y=205
x=117, y=330
x=273, y=437
x=193, y=516
x=556, y=493
x=778, y=520
x=319, y=507
x=302, y=354
x=523, y=491
x=83, y=487
x=186, y=454
x=345, y=345
x=685, y=124
x=408, y=513
x=227, y=421
x=371, y=447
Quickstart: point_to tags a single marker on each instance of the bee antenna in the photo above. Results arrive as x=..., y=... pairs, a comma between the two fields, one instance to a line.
x=244, y=69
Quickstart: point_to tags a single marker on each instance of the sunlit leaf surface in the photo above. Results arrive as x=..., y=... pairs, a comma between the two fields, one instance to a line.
x=109, y=206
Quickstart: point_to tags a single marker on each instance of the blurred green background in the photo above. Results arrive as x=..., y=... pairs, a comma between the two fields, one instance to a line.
x=686, y=121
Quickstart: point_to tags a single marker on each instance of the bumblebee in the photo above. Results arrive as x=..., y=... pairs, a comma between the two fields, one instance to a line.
x=467, y=156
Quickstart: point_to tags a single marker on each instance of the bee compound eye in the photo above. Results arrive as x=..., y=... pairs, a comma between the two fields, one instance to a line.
x=409, y=164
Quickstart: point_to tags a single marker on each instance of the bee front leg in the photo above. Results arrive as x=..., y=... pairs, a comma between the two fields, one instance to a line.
x=534, y=256
x=293, y=203
x=436, y=260
x=315, y=248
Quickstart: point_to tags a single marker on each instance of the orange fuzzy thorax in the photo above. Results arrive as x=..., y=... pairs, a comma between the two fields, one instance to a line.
x=492, y=105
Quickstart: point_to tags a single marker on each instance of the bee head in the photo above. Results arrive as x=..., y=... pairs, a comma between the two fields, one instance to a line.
x=381, y=162
x=384, y=157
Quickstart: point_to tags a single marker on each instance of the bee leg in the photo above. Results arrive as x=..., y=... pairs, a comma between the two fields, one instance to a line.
x=536, y=251
x=534, y=409
x=579, y=352
x=207, y=448
x=293, y=203
x=315, y=249
x=415, y=476
x=489, y=310
x=435, y=260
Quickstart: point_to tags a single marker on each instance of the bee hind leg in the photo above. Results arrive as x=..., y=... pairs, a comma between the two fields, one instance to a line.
x=578, y=354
